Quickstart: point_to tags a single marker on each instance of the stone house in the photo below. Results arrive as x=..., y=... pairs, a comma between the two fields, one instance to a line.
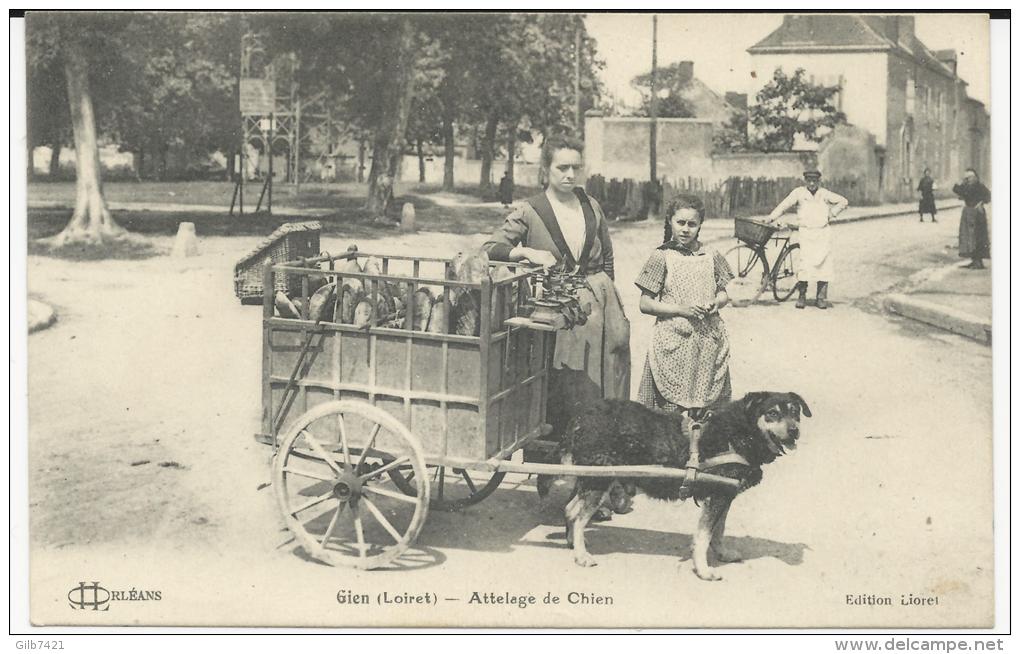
x=907, y=96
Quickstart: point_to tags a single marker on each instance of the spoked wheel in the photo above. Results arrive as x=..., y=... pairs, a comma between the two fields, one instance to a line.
x=331, y=480
x=785, y=273
x=750, y=273
x=453, y=488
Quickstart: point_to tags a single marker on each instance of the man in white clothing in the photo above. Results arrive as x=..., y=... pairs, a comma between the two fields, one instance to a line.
x=815, y=207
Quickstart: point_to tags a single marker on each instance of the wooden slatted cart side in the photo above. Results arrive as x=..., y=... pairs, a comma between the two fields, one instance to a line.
x=467, y=398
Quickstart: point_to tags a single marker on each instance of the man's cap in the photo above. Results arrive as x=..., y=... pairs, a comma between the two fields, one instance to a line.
x=812, y=173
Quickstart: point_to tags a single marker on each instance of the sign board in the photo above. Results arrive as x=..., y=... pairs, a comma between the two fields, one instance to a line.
x=257, y=96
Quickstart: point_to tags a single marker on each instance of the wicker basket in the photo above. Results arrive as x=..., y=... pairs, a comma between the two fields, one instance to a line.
x=752, y=231
x=289, y=242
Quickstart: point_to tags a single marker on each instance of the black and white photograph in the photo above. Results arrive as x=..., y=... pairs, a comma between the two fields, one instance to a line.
x=510, y=320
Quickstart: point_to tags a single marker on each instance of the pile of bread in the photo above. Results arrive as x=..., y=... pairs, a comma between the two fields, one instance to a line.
x=429, y=310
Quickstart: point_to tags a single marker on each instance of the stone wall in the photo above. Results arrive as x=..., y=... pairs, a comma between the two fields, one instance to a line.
x=617, y=147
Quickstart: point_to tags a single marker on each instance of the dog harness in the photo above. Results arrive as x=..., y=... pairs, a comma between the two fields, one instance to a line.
x=692, y=424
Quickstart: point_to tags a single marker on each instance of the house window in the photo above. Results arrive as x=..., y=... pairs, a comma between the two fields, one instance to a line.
x=910, y=96
x=905, y=146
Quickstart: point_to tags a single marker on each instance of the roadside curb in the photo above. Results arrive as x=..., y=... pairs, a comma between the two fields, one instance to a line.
x=952, y=204
x=40, y=316
x=938, y=315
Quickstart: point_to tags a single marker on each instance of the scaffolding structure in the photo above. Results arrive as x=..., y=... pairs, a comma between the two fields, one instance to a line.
x=275, y=116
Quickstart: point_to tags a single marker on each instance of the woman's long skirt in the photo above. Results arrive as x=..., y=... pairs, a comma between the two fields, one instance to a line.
x=974, y=234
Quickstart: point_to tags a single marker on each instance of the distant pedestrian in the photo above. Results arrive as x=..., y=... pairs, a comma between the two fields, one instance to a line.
x=973, y=221
x=927, y=188
x=506, y=190
x=815, y=207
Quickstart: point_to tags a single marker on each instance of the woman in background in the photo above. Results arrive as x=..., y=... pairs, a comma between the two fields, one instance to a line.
x=927, y=189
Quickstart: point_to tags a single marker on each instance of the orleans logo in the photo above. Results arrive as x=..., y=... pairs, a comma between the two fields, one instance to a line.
x=91, y=596
x=87, y=596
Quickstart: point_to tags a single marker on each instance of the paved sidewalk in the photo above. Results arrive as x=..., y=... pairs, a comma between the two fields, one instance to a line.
x=722, y=228
x=954, y=298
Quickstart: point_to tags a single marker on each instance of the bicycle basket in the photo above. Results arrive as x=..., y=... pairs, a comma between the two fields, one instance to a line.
x=752, y=231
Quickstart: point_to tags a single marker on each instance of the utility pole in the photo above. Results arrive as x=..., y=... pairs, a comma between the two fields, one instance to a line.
x=577, y=76
x=653, y=106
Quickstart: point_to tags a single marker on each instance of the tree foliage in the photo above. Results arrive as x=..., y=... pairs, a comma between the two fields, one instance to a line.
x=732, y=137
x=167, y=82
x=670, y=81
x=789, y=106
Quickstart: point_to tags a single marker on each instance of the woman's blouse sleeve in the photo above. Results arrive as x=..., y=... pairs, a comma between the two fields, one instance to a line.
x=723, y=272
x=509, y=235
x=653, y=275
x=608, y=260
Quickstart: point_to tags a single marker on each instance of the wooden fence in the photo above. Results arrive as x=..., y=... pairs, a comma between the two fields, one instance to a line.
x=737, y=196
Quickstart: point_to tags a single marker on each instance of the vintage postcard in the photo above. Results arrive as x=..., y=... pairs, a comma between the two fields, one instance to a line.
x=510, y=320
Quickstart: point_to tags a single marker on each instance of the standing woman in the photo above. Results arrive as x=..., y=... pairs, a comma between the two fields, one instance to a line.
x=973, y=222
x=563, y=226
x=927, y=188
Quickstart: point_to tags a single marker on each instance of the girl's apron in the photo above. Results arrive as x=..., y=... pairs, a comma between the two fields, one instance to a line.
x=689, y=359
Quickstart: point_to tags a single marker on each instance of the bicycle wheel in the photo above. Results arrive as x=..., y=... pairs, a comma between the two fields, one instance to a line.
x=750, y=270
x=784, y=273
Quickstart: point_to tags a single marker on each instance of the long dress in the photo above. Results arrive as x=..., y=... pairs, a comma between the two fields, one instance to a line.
x=973, y=222
x=591, y=361
x=927, y=188
x=688, y=362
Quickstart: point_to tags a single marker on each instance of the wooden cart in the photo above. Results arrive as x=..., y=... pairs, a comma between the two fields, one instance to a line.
x=373, y=425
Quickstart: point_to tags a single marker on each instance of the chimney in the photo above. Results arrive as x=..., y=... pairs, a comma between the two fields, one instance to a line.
x=892, y=28
x=906, y=29
x=737, y=100
x=900, y=29
x=947, y=58
x=685, y=70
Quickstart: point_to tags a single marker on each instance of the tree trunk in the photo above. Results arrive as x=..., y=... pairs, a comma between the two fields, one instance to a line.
x=488, y=150
x=448, y=147
x=361, y=161
x=231, y=162
x=55, y=159
x=511, y=148
x=421, y=161
x=393, y=126
x=29, y=160
x=162, y=163
x=139, y=163
x=91, y=221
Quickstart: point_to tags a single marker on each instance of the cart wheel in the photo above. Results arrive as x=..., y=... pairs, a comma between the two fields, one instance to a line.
x=331, y=482
x=454, y=488
x=785, y=273
x=750, y=272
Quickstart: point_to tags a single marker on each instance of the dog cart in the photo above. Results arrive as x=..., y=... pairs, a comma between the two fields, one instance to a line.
x=375, y=418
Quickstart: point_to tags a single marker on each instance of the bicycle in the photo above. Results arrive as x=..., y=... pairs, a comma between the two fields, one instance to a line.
x=750, y=264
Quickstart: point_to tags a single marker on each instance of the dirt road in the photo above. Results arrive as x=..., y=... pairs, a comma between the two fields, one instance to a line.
x=144, y=473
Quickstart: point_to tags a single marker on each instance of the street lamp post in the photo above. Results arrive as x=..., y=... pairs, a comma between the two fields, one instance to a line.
x=653, y=107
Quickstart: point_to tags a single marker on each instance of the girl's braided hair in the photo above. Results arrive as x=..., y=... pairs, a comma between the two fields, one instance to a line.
x=676, y=204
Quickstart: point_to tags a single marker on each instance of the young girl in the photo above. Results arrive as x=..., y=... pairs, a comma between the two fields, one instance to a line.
x=683, y=285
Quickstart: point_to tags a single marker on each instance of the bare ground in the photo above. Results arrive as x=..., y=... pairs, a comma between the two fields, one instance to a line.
x=143, y=471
